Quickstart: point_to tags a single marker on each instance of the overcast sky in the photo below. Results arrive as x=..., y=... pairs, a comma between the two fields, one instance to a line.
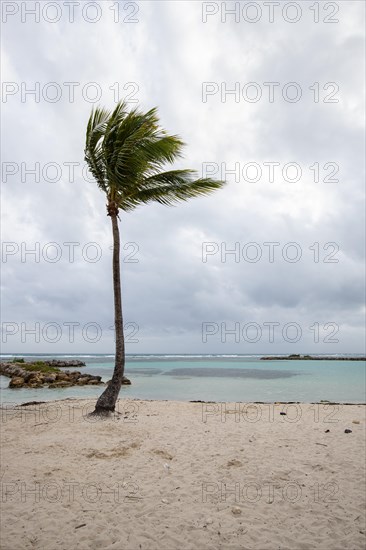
x=295, y=73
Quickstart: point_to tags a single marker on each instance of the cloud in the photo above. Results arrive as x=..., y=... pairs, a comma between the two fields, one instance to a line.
x=164, y=59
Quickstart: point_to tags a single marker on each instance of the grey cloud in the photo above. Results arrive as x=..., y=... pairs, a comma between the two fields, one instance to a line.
x=170, y=292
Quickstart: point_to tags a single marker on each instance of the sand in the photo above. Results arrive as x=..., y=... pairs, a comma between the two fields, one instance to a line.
x=173, y=475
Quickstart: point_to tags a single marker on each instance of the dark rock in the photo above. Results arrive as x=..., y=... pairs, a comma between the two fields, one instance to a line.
x=347, y=431
x=62, y=376
x=65, y=363
x=32, y=403
x=16, y=382
x=50, y=378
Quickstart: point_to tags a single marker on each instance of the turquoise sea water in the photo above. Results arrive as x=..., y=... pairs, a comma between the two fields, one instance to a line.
x=211, y=378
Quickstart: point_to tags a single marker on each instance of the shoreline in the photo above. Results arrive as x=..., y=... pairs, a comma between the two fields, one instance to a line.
x=177, y=401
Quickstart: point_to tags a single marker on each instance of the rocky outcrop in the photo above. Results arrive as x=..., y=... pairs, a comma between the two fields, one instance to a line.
x=28, y=375
x=296, y=357
x=63, y=363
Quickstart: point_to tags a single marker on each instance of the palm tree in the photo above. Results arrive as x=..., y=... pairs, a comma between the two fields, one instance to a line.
x=126, y=152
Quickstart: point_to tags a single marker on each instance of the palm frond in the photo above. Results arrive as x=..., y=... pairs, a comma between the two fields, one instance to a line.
x=171, y=187
x=127, y=151
x=93, y=150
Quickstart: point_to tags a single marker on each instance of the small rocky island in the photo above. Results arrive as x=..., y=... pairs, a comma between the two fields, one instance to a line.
x=40, y=374
x=298, y=357
x=61, y=363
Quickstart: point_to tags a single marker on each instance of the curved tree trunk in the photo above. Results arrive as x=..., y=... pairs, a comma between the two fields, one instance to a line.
x=107, y=401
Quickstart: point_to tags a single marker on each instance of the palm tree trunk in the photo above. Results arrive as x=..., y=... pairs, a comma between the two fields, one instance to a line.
x=107, y=401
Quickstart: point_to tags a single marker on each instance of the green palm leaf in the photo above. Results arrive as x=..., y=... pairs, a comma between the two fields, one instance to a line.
x=127, y=151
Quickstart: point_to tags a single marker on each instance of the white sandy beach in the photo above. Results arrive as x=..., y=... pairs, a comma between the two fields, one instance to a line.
x=183, y=476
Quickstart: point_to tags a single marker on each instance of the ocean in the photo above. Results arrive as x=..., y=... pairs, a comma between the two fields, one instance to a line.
x=221, y=378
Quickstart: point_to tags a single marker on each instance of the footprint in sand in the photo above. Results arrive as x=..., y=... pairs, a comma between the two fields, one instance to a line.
x=163, y=454
x=234, y=462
